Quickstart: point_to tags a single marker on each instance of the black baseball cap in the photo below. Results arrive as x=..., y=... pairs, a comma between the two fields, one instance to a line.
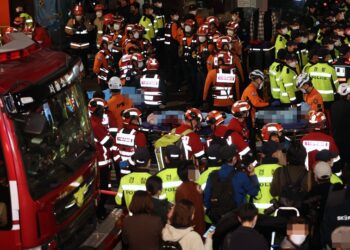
x=214, y=151
x=325, y=155
x=228, y=152
x=141, y=156
x=270, y=147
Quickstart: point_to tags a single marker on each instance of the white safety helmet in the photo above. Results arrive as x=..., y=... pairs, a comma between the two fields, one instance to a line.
x=114, y=83
x=302, y=79
x=344, y=89
x=257, y=73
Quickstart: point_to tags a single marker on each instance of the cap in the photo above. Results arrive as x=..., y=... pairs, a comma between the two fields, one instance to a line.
x=322, y=52
x=291, y=56
x=340, y=237
x=173, y=152
x=228, y=152
x=247, y=160
x=213, y=152
x=270, y=147
x=281, y=54
x=291, y=43
x=322, y=171
x=141, y=156
x=325, y=155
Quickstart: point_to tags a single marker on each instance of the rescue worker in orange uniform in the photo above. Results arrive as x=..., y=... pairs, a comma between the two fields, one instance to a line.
x=311, y=96
x=98, y=22
x=250, y=94
x=118, y=39
x=133, y=75
x=221, y=80
x=118, y=102
x=103, y=64
x=213, y=26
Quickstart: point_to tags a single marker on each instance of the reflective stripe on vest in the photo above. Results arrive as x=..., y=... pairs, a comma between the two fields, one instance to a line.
x=126, y=143
x=223, y=86
x=150, y=87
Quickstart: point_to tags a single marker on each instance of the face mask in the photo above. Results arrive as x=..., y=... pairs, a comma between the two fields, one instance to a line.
x=159, y=5
x=337, y=43
x=330, y=47
x=110, y=46
x=340, y=33
x=202, y=39
x=176, y=17
x=99, y=14
x=136, y=35
x=297, y=239
x=116, y=26
x=304, y=40
x=230, y=32
x=284, y=31
x=234, y=18
x=293, y=64
x=193, y=12
x=188, y=28
x=150, y=12
x=295, y=27
x=78, y=18
x=140, y=65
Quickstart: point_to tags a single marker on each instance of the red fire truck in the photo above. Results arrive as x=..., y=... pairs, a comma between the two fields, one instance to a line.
x=48, y=173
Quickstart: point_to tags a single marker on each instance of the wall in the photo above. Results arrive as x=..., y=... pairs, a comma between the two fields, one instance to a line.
x=4, y=13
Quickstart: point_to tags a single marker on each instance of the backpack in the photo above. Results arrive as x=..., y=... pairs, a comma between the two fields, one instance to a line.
x=170, y=245
x=221, y=201
x=169, y=139
x=221, y=140
x=292, y=195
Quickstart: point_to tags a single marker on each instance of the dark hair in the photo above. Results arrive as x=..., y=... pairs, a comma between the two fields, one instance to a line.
x=182, y=170
x=182, y=215
x=154, y=184
x=99, y=94
x=247, y=212
x=296, y=154
x=141, y=203
x=136, y=5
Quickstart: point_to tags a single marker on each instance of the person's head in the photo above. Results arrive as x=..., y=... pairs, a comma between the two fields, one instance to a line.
x=292, y=46
x=158, y=3
x=231, y=28
x=97, y=106
x=304, y=83
x=294, y=24
x=281, y=55
x=114, y=84
x=189, y=26
x=19, y=9
x=192, y=9
x=154, y=185
x=99, y=10
x=326, y=156
x=272, y=131
x=340, y=238
x=344, y=91
x=141, y=203
x=313, y=57
x=174, y=15
x=183, y=214
x=228, y=155
x=224, y=60
x=328, y=43
x=322, y=171
x=183, y=170
x=311, y=8
x=193, y=117
x=324, y=55
x=247, y=215
x=291, y=60
x=134, y=8
x=172, y=156
x=132, y=116
x=141, y=159
x=78, y=12
x=235, y=17
x=123, y=3
x=339, y=15
x=148, y=9
x=282, y=28
x=296, y=154
x=240, y=110
x=272, y=149
x=297, y=230
x=213, y=154
x=317, y=120
x=215, y=118
x=258, y=78
x=248, y=161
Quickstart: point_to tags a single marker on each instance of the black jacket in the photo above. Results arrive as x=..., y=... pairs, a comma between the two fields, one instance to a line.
x=244, y=238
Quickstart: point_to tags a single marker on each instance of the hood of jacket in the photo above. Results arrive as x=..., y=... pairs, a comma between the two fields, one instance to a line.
x=171, y=233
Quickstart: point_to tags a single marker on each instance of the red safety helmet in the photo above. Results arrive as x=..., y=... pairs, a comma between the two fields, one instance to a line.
x=212, y=19
x=190, y=23
x=19, y=20
x=99, y=7
x=138, y=57
x=139, y=28
x=203, y=30
x=152, y=64
x=226, y=58
x=105, y=39
x=78, y=10
x=129, y=28
x=223, y=40
x=231, y=25
x=131, y=114
x=108, y=19
x=317, y=120
x=10, y=30
x=240, y=109
x=193, y=114
x=269, y=129
x=119, y=20
x=215, y=117
x=96, y=103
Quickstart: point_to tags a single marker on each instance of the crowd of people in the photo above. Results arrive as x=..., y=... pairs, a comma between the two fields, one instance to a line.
x=259, y=187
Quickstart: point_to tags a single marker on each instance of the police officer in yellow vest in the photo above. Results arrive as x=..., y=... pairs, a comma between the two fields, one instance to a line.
x=324, y=77
x=264, y=172
x=282, y=37
x=287, y=80
x=159, y=20
x=28, y=18
x=147, y=21
x=169, y=176
x=136, y=180
x=275, y=71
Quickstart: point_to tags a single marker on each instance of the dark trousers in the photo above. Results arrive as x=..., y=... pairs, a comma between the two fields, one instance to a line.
x=104, y=181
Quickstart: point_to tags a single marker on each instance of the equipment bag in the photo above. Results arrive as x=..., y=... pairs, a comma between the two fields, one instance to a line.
x=169, y=139
x=221, y=200
x=170, y=245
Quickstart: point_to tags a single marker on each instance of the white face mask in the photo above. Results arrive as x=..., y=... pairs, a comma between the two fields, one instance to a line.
x=202, y=39
x=150, y=12
x=230, y=32
x=116, y=26
x=293, y=64
x=99, y=14
x=234, y=18
x=176, y=17
x=337, y=43
x=304, y=40
x=193, y=12
x=140, y=65
x=159, y=5
x=78, y=18
x=110, y=46
x=297, y=239
x=188, y=28
x=136, y=35
x=294, y=27
x=330, y=47
x=284, y=31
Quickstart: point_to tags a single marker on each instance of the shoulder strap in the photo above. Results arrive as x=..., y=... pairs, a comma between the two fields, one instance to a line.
x=286, y=174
